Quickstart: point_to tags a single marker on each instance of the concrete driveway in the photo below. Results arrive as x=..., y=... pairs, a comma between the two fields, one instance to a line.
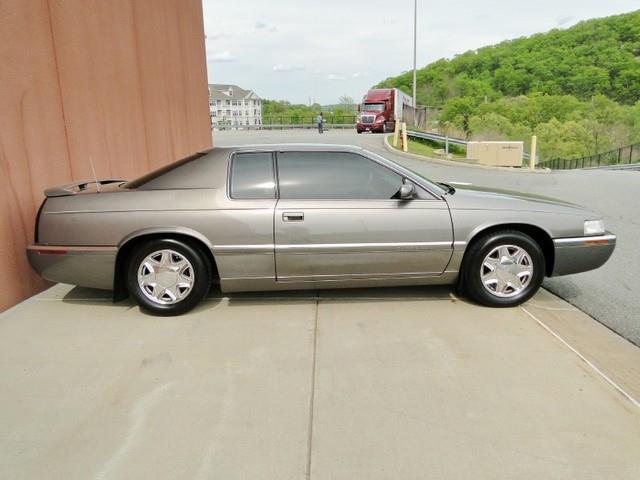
x=406, y=383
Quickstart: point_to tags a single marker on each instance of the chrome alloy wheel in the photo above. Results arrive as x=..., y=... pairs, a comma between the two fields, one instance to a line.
x=165, y=277
x=506, y=271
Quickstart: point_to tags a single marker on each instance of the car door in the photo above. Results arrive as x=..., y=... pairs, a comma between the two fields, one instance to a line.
x=244, y=249
x=338, y=218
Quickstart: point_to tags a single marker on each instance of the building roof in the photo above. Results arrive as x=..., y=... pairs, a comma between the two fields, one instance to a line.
x=226, y=92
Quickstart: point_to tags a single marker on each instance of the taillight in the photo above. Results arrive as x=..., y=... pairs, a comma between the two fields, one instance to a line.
x=35, y=234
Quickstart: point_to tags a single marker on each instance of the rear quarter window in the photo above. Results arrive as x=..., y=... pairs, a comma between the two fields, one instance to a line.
x=193, y=172
x=252, y=176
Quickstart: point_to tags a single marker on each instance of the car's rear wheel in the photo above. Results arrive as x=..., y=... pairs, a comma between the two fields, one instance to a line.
x=167, y=277
x=503, y=269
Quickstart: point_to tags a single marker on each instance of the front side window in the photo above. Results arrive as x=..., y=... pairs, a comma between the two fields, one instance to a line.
x=334, y=175
x=252, y=176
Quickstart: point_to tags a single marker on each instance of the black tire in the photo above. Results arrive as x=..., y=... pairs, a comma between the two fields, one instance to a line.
x=473, y=269
x=359, y=131
x=197, y=268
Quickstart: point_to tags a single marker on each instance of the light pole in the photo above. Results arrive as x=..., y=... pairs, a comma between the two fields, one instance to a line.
x=415, y=37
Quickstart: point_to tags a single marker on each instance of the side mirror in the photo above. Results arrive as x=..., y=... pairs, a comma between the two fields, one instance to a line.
x=407, y=191
x=358, y=107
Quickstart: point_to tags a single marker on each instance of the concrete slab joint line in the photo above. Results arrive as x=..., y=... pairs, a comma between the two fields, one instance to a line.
x=611, y=382
x=313, y=388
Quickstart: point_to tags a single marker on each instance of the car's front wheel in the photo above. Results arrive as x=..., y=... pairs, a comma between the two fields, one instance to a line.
x=503, y=269
x=167, y=277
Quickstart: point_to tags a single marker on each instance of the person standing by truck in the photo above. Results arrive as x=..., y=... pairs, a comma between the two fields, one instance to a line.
x=320, y=120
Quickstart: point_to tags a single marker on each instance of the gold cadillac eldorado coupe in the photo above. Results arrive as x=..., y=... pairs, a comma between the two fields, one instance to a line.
x=269, y=217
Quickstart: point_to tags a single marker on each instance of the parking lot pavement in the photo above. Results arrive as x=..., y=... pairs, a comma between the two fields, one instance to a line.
x=395, y=383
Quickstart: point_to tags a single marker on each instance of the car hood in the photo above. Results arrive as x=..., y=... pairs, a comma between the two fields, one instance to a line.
x=478, y=197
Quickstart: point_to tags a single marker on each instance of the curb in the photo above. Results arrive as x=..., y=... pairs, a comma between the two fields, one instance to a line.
x=442, y=161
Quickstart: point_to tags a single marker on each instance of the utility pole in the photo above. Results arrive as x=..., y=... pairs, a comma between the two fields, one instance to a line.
x=415, y=37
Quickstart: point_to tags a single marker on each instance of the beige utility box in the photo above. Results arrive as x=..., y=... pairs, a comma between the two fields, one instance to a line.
x=497, y=154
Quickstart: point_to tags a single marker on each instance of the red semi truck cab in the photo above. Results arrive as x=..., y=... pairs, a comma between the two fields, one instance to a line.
x=380, y=110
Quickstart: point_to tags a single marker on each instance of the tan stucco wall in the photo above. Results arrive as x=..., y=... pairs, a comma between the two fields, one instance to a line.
x=122, y=81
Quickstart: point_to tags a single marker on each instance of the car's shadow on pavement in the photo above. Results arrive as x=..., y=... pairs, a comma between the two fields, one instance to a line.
x=89, y=296
x=418, y=293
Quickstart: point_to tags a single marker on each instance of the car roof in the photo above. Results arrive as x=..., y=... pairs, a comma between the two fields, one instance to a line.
x=288, y=147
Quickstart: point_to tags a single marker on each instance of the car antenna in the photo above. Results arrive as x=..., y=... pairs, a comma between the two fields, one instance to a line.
x=94, y=174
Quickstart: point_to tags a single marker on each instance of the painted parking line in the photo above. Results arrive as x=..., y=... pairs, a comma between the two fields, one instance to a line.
x=621, y=390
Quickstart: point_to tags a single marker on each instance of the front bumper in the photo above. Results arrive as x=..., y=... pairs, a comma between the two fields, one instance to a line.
x=92, y=267
x=370, y=127
x=580, y=254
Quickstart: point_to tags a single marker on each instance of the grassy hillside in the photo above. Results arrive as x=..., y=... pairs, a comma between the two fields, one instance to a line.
x=578, y=89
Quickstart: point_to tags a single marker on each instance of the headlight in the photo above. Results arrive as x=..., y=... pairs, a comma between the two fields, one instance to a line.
x=380, y=120
x=593, y=227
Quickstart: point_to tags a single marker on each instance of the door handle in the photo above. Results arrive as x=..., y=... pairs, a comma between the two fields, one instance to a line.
x=292, y=216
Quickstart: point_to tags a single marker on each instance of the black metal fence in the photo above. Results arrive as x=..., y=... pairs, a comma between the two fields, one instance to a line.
x=302, y=121
x=621, y=156
x=282, y=122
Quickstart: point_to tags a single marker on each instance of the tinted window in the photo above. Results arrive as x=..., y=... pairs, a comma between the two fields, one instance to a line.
x=334, y=175
x=252, y=176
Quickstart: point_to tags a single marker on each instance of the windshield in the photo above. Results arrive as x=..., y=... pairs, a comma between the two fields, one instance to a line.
x=434, y=187
x=373, y=107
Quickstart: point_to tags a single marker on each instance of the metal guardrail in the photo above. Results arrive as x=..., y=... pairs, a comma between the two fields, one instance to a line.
x=628, y=166
x=436, y=137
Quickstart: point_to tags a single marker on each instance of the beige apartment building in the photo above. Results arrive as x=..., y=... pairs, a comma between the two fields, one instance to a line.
x=233, y=107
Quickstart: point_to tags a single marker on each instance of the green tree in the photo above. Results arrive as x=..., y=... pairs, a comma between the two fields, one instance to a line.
x=458, y=111
x=563, y=140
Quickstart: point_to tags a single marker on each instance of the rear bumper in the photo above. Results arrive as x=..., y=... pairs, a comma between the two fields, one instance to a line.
x=580, y=254
x=92, y=267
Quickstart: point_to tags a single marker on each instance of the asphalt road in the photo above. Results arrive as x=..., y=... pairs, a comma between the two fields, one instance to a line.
x=610, y=294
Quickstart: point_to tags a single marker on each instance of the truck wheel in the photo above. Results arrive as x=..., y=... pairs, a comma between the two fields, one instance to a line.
x=503, y=269
x=168, y=277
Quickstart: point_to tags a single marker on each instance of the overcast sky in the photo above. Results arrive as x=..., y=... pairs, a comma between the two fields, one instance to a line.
x=319, y=50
